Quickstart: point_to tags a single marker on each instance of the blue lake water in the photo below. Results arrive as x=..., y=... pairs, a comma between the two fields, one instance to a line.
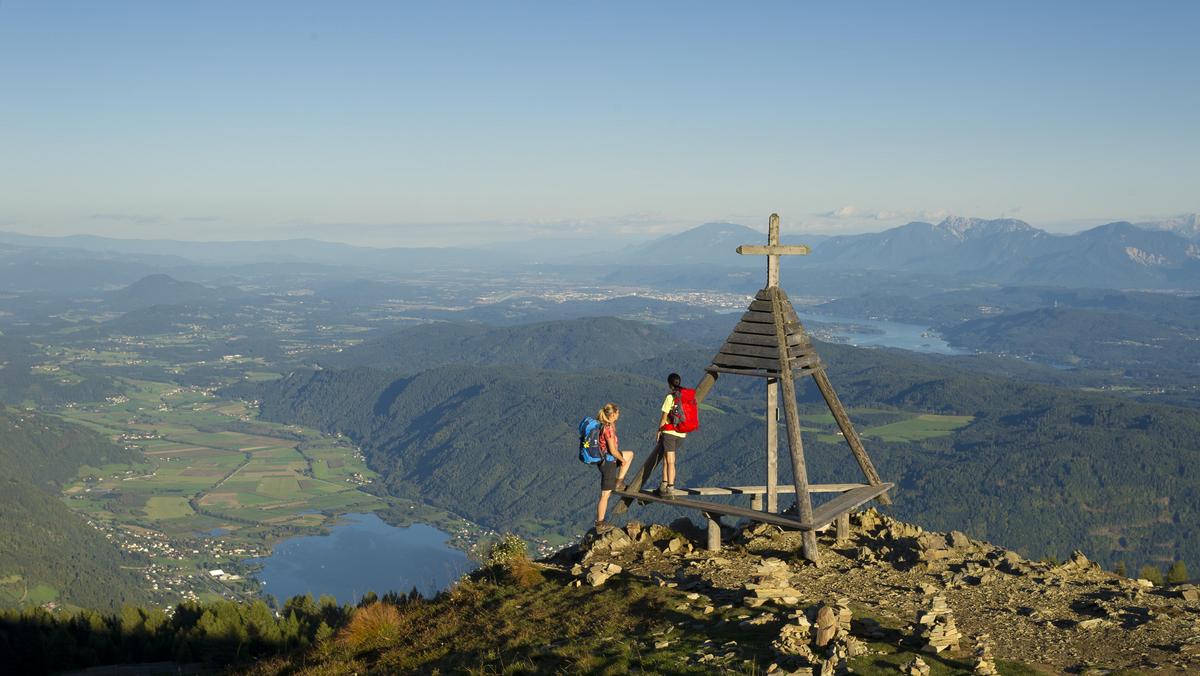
x=361, y=554
x=883, y=333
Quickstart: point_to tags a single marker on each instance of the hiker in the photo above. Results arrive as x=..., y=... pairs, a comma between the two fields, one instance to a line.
x=614, y=462
x=669, y=441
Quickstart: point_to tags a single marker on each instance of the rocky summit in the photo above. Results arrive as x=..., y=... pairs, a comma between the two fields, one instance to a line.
x=895, y=587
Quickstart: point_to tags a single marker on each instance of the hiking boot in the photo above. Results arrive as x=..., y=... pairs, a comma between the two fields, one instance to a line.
x=670, y=491
x=664, y=491
x=620, y=485
x=602, y=527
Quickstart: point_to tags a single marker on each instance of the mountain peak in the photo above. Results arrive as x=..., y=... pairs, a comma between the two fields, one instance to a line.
x=965, y=226
x=1187, y=225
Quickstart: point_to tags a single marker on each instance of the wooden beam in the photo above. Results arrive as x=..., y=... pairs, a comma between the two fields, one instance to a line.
x=848, y=431
x=843, y=527
x=826, y=513
x=757, y=317
x=714, y=531
x=794, y=339
x=715, y=508
x=743, y=350
x=772, y=445
x=795, y=445
x=765, y=363
x=760, y=373
x=774, y=250
x=705, y=385
x=773, y=240
x=654, y=457
x=763, y=329
x=812, y=488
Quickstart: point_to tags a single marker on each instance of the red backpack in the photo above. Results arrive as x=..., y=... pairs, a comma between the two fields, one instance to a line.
x=684, y=415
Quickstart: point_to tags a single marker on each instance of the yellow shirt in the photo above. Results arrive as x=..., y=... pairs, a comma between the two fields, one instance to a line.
x=668, y=403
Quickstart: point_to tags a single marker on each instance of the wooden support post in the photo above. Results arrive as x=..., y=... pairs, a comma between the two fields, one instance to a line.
x=848, y=431
x=714, y=532
x=773, y=383
x=843, y=527
x=756, y=502
x=772, y=445
x=640, y=478
x=705, y=385
x=795, y=445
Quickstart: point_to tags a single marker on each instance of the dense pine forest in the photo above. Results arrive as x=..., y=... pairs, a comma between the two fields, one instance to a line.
x=48, y=553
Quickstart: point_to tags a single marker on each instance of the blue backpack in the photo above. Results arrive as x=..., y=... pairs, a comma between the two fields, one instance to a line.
x=589, y=442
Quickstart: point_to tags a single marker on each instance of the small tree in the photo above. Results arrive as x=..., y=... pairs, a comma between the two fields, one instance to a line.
x=1119, y=569
x=1177, y=573
x=1152, y=573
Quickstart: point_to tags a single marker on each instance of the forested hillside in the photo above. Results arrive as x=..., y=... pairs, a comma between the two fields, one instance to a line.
x=48, y=553
x=1042, y=469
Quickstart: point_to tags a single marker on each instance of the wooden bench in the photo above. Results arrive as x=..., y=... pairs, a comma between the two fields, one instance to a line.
x=852, y=496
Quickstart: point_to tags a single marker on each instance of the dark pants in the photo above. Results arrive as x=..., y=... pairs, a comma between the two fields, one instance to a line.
x=608, y=474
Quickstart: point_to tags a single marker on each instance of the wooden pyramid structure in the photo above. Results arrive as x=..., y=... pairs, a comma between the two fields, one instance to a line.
x=770, y=342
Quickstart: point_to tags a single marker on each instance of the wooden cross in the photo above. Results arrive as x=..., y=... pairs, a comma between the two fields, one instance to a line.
x=773, y=250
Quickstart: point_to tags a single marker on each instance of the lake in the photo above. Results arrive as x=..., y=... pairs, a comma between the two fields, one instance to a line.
x=361, y=553
x=879, y=333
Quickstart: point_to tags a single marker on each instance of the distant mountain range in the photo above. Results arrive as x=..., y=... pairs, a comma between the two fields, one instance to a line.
x=713, y=243
x=1010, y=251
x=1186, y=225
x=1152, y=255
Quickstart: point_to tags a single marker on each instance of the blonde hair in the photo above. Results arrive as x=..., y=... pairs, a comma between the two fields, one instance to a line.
x=608, y=413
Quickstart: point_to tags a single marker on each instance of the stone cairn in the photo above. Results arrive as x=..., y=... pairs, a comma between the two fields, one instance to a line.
x=984, y=664
x=936, y=629
x=915, y=667
x=832, y=620
x=772, y=582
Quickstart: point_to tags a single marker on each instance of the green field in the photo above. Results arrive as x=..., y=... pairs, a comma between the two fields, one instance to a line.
x=919, y=428
x=911, y=426
x=159, y=508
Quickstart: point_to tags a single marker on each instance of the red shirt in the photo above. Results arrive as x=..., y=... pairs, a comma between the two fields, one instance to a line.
x=608, y=440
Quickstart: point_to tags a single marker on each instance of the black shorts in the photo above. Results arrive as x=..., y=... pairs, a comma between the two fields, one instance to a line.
x=670, y=443
x=608, y=474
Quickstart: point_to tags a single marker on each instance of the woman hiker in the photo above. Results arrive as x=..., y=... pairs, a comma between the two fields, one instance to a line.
x=614, y=462
x=670, y=442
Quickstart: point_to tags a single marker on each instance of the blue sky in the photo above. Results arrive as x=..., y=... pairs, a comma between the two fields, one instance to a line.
x=431, y=123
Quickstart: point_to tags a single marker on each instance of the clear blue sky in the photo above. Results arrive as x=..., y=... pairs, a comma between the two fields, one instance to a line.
x=390, y=122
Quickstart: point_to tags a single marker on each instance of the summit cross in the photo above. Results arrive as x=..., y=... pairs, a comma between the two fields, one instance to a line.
x=773, y=250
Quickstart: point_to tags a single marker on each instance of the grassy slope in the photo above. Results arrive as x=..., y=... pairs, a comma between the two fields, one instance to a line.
x=492, y=625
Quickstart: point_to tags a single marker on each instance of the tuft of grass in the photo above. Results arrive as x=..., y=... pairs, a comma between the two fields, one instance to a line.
x=373, y=627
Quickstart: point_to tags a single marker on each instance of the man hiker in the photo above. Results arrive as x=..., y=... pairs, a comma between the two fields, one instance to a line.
x=670, y=442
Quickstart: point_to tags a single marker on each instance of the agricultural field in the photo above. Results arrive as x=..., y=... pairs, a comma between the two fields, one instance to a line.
x=212, y=471
x=900, y=426
x=919, y=427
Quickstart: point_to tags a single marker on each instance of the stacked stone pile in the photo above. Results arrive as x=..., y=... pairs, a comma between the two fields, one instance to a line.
x=985, y=665
x=831, y=619
x=936, y=628
x=771, y=581
x=794, y=639
x=915, y=667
